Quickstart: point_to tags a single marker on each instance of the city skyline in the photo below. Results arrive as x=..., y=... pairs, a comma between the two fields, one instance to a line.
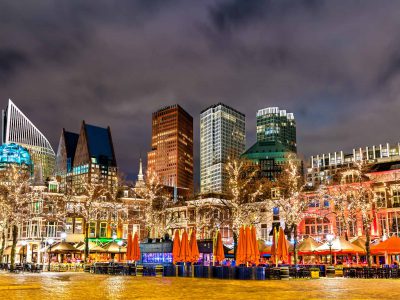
x=306, y=63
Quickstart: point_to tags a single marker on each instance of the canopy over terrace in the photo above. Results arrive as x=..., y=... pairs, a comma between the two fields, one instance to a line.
x=339, y=246
x=358, y=241
x=64, y=247
x=390, y=246
x=307, y=246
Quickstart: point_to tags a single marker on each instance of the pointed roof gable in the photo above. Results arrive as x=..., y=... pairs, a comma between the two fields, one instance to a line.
x=71, y=141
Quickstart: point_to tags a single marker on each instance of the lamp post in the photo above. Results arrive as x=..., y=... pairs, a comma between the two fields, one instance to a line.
x=24, y=243
x=63, y=236
x=329, y=238
x=50, y=242
x=119, y=249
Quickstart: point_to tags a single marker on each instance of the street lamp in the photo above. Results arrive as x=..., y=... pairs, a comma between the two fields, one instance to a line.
x=63, y=236
x=329, y=238
x=114, y=236
x=50, y=242
x=119, y=249
x=24, y=243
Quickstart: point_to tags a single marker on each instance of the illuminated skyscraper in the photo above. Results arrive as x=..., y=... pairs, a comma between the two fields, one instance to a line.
x=171, y=155
x=222, y=136
x=276, y=141
x=18, y=129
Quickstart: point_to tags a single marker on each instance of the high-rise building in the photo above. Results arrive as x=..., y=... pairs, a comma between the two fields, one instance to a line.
x=88, y=157
x=171, y=155
x=18, y=129
x=276, y=141
x=222, y=136
x=275, y=125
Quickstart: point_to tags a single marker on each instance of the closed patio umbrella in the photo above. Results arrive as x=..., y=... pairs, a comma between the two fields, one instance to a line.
x=282, y=250
x=274, y=245
x=185, y=253
x=135, y=248
x=129, y=247
x=194, y=247
x=255, y=244
x=250, y=254
x=176, y=248
x=219, y=254
x=240, y=252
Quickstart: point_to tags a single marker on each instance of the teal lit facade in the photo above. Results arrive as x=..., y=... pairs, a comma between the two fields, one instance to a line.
x=14, y=154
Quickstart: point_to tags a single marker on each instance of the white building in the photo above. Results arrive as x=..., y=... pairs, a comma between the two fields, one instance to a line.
x=222, y=136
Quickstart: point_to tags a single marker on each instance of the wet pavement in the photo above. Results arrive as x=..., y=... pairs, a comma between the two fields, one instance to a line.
x=85, y=286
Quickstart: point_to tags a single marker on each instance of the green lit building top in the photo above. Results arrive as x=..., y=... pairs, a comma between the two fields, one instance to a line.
x=276, y=140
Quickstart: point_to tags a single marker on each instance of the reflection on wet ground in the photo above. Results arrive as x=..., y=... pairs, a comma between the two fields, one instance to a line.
x=84, y=286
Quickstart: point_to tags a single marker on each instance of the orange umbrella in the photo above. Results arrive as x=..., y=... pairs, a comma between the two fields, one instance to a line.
x=255, y=244
x=274, y=256
x=250, y=254
x=185, y=254
x=282, y=250
x=176, y=248
x=135, y=251
x=129, y=247
x=219, y=249
x=194, y=247
x=390, y=246
x=240, y=255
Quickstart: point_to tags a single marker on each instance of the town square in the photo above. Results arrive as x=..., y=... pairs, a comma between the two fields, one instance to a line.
x=216, y=149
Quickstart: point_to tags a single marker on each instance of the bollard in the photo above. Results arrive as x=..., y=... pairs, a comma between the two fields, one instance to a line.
x=284, y=273
x=159, y=270
x=330, y=271
x=139, y=271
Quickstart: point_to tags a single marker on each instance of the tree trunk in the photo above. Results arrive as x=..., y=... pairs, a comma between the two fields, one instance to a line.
x=235, y=241
x=14, y=244
x=86, y=241
x=295, y=244
x=367, y=244
x=3, y=243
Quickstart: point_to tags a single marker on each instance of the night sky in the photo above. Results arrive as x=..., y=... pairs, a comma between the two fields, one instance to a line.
x=335, y=64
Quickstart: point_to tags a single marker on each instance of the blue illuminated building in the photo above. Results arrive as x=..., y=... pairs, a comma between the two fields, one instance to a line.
x=14, y=154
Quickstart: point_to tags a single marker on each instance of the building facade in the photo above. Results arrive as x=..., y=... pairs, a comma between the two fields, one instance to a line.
x=86, y=157
x=18, y=129
x=171, y=155
x=323, y=167
x=222, y=137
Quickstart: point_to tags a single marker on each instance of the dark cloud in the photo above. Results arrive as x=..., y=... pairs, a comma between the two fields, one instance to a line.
x=335, y=64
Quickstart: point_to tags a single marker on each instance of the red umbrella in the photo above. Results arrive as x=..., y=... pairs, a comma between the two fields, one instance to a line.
x=185, y=254
x=255, y=244
x=282, y=250
x=135, y=252
x=219, y=249
x=250, y=254
x=129, y=247
x=274, y=246
x=194, y=247
x=176, y=248
x=241, y=247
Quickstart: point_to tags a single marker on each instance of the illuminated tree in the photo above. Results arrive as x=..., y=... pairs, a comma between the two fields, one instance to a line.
x=16, y=201
x=248, y=195
x=290, y=198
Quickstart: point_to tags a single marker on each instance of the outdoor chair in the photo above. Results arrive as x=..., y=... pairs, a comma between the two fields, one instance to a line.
x=394, y=273
x=359, y=273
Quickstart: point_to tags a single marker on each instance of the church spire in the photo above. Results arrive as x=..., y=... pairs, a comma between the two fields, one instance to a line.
x=140, y=175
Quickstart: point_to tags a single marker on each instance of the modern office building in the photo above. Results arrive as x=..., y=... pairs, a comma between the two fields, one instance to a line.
x=87, y=157
x=222, y=136
x=18, y=129
x=171, y=155
x=323, y=167
x=276, y=141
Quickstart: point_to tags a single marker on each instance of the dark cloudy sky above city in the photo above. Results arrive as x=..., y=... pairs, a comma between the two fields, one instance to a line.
x=334, y=64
